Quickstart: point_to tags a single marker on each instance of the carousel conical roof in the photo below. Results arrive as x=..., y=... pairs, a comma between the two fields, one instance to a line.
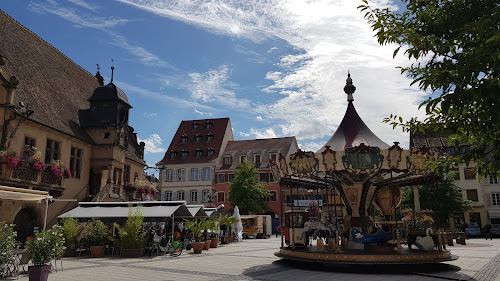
x=352, y=131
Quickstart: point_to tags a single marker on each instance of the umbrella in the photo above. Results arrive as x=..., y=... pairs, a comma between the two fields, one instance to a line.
x=238, y=226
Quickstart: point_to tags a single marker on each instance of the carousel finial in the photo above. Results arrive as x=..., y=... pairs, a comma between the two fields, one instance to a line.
x=349, y=88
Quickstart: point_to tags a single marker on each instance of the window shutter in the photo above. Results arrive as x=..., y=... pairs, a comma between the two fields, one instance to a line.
x=267, y=177
x=200, y=172
x=188, y=174
x=226, y=177
x=175, y=175
x=212, y=172
x=164, y=175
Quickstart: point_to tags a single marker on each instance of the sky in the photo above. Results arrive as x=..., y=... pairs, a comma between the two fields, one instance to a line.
x=275, y=68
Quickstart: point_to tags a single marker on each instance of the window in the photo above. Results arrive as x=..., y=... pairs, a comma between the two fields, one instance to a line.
x=456, y=174
x=194, y=196
x=493, y=179
x=29, y=147
x=173, y=154
x=472, y=195
x=263, y=177
x=243, y=158
x=273, y=157
x=106, y=135
x=271, y=177
x=170, y=175
x=208, y=125
x=274, y=196
x=136, y=176
x=206, y=174
x=197, y=138
x=184, y=139
x=196, y=125
x=230, y=178
x=52, y=151
x=180, y=196
x=194, y=174
x=451, y=150
x=469, y=174
x=205, y=196
x=210, y=137
x=256, y=159
x=184, y=154
x=168, y=196
x=495, y=199
x=210, y=152
x=220, y=178
x=221, y=197
x=199, y=153
x=126, y=174
x=181, y=175
x=75, y=163
x=227, y=160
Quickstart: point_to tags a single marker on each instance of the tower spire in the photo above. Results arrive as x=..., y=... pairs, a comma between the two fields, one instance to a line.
x=112, y=69
x=349, y=88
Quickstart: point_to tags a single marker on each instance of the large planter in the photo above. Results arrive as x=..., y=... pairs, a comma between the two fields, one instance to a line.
x=70, y=252
x=132, y=253
x=207, y=245
x=38, y=272
x=214, y=242
x=225, y=240
x=198, y=247
x=96, y=251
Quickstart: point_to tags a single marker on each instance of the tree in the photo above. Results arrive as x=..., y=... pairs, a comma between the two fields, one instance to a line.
x=456, y=48
x=442, y=197
x=246, y=191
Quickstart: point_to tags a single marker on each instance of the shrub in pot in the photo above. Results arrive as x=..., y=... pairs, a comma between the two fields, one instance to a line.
x=132, y=239
x=42, y=248
x=227, y=225
x=71, y=230
x=7, y=244
x=213, y=226
x=196, y=227
x=96, y=234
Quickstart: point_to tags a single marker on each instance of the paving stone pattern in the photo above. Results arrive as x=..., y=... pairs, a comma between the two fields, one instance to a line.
x=255, y=260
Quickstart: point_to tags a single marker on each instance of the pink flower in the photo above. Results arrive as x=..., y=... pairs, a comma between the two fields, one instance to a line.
x=37, y=166
x=56, y=171
x=12, y=161
x=68, y=174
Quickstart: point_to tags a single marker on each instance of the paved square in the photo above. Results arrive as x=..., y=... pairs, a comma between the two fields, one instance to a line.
x=255, y=260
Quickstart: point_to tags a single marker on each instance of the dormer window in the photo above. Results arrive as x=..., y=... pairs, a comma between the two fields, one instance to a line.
x=196, y=125
x=197, y=138
x=199, y=152
x=257, y=159
x=273, y=156
x=173, y=154
x=243, y=158
x=210, y=137
x=184, y=154
x=208, y=125
x=184, y=139
x=227, y=160
x=210, y=152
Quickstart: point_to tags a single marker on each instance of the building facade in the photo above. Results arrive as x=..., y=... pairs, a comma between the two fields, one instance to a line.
x=62, y=130
x=260, y=152
x=188, y=168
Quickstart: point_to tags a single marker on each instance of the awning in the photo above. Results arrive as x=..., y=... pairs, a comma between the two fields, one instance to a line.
x=23, y=194
x=118, y=211
x=210, y=211
x=494, y=214
x=197, y=211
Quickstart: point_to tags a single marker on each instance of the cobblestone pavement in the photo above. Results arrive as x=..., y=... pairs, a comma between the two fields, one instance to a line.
x=255, y=260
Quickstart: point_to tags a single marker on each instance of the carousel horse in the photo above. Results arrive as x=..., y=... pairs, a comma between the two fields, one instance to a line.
x=317, y=229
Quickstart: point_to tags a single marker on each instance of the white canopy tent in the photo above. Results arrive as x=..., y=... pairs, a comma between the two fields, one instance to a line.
x=197, y=211
x=118, y=211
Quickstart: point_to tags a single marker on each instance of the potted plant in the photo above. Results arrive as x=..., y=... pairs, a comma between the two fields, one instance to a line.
x=96, y=235
x=196, y=227
x=206, y=225
x=71, y=230
x=213, y=226
x=7, y=244
x=131, y=236
x=226, y=226
x=42, y=248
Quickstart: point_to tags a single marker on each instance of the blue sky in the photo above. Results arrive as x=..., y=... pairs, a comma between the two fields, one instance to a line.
x=275, y=68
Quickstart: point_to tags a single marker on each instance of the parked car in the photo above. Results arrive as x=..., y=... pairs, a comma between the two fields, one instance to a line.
x=472, y=230
x=493, y=229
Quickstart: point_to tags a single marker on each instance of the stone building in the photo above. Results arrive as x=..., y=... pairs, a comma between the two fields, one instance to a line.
x=58, y=119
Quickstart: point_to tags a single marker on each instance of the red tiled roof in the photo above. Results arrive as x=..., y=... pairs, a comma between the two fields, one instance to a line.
x=217, y=130
x=259, y=146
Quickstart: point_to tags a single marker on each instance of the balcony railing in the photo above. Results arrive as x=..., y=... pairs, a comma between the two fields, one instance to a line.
x=25, y=173
x=49, y=178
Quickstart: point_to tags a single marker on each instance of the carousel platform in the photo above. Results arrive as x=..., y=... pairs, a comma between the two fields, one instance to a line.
x=309, y=254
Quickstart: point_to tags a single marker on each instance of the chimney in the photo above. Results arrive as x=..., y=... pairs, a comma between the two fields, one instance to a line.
x=140, y=149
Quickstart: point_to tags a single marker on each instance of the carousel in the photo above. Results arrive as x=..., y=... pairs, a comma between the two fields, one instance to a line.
x=341, y=204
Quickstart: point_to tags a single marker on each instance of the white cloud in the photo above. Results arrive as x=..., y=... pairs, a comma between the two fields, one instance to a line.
x=198, y=112
x=104, y=24
x=214, y=86
x=153, y=144
x=266, y=133
x=272, y=49
x=150, y=115
x=310, y=146
x=84, y=4
x=259, y=118
x=328, y=38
